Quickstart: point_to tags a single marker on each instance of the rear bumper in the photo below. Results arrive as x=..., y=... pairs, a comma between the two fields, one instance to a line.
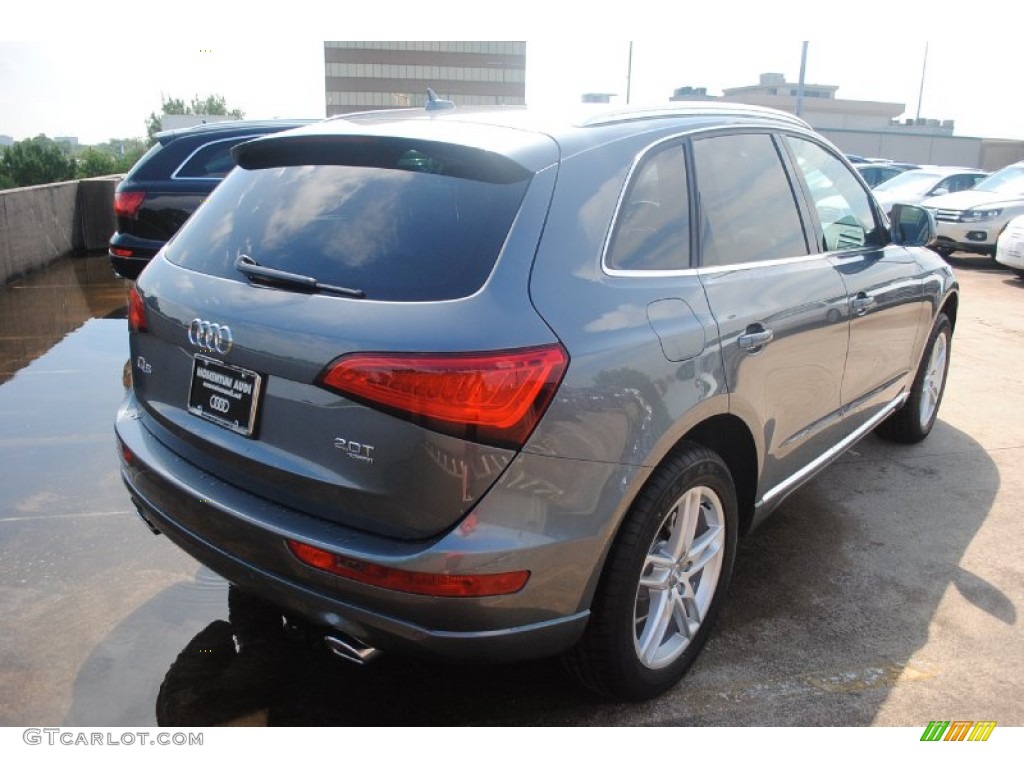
x=142, y=251
x=242, y=537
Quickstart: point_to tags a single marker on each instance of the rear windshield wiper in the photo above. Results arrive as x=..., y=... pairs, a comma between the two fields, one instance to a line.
x=270, y=276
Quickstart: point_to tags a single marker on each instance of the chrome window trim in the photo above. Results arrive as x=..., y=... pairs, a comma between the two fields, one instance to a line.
x=719, y=268
x=201, y=147
x=655, y=146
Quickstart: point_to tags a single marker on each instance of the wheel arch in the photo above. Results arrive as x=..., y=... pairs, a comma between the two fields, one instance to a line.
x=727, y=435
x=950, y=306
x=600, y=660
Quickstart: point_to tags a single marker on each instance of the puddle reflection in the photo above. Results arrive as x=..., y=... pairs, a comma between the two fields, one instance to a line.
x=39, y=310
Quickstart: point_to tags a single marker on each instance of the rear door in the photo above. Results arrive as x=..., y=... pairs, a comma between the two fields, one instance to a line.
x=780, y=308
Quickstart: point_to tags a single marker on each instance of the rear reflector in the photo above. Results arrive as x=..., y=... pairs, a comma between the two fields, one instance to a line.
x=127, y=204
x=121, y=252
x=488, y=397
x=126, y=453
x=136, y=311
x=415, y=582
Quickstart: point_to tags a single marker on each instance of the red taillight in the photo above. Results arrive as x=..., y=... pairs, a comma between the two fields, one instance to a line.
x=492, y=397
x=136, y=311
x=415, y=582
x=127, y=204
x=121, y=251
x=126, y=453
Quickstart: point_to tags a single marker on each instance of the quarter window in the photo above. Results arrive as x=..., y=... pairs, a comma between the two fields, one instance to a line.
x=653, y=228
x=748, y=212
x=212, y=161
x=844, y=209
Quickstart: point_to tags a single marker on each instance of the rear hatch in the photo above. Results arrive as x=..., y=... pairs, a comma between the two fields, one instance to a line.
x=344, y=327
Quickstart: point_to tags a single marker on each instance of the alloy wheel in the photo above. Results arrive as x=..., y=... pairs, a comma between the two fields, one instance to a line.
x=679, y=577
x=934, y=379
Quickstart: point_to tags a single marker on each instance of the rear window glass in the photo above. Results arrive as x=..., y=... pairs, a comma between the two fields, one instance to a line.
x=407, y=232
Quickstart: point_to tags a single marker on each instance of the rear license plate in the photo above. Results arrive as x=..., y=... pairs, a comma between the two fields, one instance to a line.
x=225, y=394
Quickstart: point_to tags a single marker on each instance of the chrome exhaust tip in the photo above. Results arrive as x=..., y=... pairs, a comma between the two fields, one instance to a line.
x=138, y=510
x=350, y=649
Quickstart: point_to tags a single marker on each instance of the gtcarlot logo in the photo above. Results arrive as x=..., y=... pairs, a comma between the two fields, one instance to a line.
x=70, y=737
x=958, y=730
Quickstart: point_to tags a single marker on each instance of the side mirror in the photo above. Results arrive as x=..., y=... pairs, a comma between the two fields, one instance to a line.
x=939, y=191
x=911, y=225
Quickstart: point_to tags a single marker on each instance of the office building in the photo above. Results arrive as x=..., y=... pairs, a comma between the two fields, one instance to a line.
x=361, y=75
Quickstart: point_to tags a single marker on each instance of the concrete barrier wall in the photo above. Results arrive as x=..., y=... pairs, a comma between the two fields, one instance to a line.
x=43, y=223
x=96, y=212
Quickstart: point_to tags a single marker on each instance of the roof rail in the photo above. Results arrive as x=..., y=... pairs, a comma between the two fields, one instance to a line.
x=695, y=108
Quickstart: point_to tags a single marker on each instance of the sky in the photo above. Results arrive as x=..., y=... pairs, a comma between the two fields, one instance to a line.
x=101, y=70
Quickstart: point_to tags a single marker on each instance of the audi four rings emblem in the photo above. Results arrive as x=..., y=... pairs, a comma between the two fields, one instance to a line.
x=209, y=337
x=220, y=404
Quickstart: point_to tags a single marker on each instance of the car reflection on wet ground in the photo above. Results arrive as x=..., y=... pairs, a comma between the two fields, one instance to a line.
x=884, y=592
x=73, y=560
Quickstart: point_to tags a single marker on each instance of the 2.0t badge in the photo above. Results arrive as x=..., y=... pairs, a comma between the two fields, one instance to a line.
x=358, y=451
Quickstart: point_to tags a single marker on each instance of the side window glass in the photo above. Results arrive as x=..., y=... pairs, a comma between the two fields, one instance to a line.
x=212, y=161
x=844, y=208
x=748, y=212
x=653, y=226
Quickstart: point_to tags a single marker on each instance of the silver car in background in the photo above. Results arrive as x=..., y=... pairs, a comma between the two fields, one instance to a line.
x=921, y=184
x=972, y=220
x=502, y=384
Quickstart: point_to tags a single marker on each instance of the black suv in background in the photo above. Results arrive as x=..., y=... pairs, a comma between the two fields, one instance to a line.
x=170, y=181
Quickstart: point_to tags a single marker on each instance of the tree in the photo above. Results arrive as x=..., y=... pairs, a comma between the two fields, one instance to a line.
x=214, y=104
x=35, y=161
x=95, y=162
x=124, y=153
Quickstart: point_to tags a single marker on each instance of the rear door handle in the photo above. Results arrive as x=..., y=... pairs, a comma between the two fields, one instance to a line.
x=755, y=337
x=861, y=303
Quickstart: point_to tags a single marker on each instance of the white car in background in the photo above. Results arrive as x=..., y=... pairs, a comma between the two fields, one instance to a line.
x=972, y=220
x=920, y=184
x=1010, y=246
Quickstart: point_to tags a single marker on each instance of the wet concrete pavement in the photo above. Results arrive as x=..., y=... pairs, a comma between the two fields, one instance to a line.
x=888, y=591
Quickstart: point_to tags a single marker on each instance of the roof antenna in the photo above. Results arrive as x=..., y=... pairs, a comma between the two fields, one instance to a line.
x=434, y=103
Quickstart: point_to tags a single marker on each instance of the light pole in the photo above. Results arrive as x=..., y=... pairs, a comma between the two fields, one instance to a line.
x=920, y=92
x=800, y=85
x=629, y=71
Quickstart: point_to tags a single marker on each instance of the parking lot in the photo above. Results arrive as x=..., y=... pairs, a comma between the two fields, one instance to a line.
x=885, y=592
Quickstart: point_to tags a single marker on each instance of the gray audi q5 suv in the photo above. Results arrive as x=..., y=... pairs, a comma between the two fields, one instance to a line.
x=496, y=385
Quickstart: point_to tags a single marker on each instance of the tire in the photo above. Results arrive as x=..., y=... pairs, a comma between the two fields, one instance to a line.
x=664, y=580
x=916, y=417
x=942, y=250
